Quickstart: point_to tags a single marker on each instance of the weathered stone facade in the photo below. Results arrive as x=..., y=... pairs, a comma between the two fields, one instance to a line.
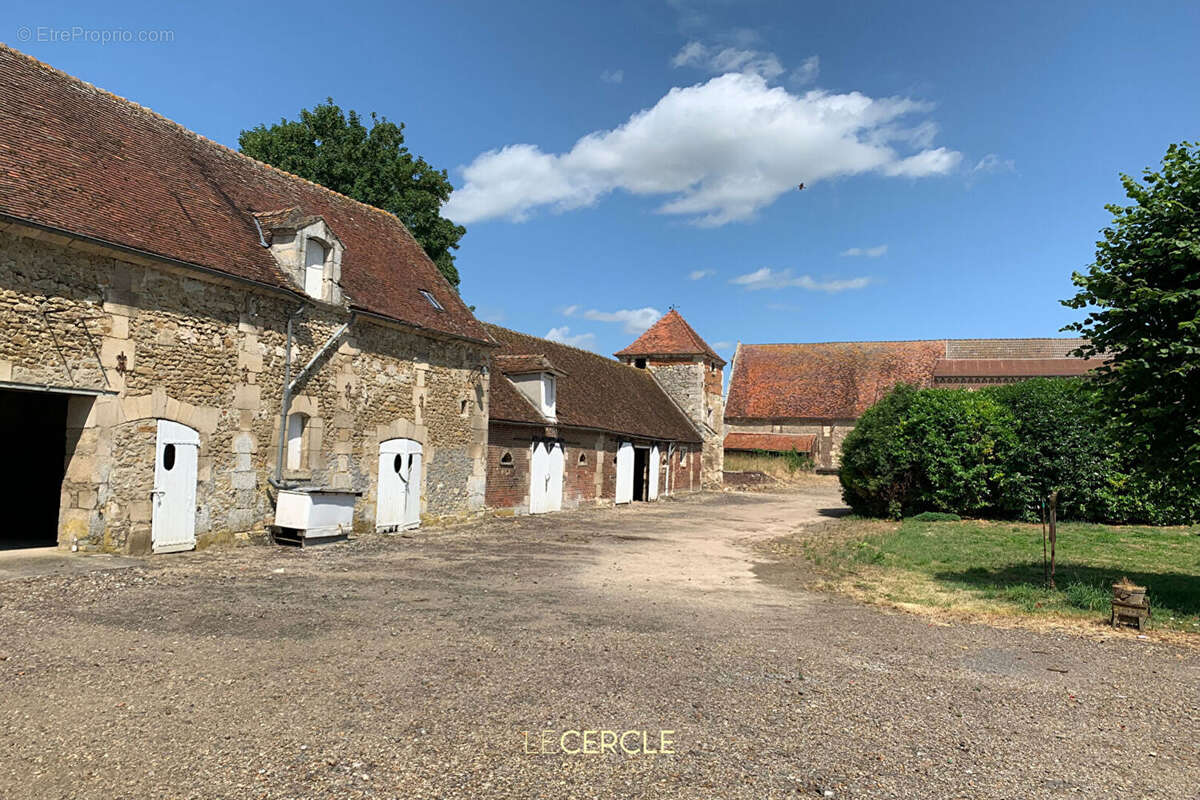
x=694, y=383
x=152, y=341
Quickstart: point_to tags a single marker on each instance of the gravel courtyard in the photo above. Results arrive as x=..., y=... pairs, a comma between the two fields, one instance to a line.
x=413, y=666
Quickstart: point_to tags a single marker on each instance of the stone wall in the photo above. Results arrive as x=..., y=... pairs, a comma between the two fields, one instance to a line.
x=696, y=386
x=160, y=342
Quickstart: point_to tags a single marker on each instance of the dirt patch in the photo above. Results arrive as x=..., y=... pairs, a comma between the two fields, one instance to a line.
x=395, y=666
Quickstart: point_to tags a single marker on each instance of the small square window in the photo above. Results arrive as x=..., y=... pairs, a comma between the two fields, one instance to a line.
x=432, y=300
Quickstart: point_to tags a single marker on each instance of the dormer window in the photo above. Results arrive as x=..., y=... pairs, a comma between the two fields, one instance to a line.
x=307, y=250
x=432, y=300
x=535, y=377
x=314, y=269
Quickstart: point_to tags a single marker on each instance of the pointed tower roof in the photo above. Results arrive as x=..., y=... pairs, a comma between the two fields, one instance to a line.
x=670, y=336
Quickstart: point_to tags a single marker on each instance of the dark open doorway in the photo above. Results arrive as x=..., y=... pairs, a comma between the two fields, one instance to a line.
x=641, y=461
x=33, y=426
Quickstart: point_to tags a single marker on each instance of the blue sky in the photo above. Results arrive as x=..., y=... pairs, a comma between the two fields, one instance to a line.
x=957, y=156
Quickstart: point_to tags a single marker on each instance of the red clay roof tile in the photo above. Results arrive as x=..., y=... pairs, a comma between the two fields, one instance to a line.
x=1013, y=367
x=81, y=160
x=840, y=380
x=834, y=380
x=670, y=336
x=772, y=442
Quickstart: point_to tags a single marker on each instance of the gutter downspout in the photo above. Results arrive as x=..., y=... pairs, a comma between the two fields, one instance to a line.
x=285, y=403
x=289, y=386
x=329, y=343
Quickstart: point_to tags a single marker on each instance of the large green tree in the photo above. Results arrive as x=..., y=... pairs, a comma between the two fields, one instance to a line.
x=1142, y=296
x=371, y=164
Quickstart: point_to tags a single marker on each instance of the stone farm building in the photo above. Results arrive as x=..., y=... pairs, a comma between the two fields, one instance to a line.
x=571, y=428
x=807, y=397
x=148, y=281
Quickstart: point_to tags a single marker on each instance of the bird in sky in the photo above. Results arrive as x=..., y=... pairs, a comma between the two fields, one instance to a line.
x=801, y=187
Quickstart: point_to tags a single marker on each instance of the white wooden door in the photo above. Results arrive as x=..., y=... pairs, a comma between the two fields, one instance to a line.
x=173, y=499
x=625, y=472
x=398, y=490
x=412, y=497
x=539, y=479
x=554, y=486
x=652, y=489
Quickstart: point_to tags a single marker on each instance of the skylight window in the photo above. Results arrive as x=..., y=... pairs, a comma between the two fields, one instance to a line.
x=432, y=300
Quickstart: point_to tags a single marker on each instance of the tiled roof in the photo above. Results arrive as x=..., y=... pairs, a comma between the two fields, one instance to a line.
x=773, y=442
x=598, y=392
x=840, y=380
x=1011, y=348
x=505, y=402
x=1012, y=367
x=834, y=380
x=525, y=364
x=78, y=159
x=671, y=335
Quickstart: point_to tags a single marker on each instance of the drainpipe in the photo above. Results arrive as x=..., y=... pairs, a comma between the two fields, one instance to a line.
x=312, y=362
x=285, y=403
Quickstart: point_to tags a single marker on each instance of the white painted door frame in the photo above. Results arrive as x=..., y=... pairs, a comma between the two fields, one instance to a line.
x=652, y=478
x=173, y=498
x=398, y=485
x=624, y=472
x=546, y=465
x=554, y=487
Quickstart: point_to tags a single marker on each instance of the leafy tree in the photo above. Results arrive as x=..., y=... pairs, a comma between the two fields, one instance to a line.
x=1143, y=300
x=929, y=450
x=1064, y=444
x=371, y=164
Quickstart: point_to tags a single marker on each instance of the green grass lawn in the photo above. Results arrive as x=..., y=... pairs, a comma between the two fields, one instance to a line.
x=997, y=566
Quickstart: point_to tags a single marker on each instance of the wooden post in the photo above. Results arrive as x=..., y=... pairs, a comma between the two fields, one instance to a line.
x=1053, y=532
x=1045, y=557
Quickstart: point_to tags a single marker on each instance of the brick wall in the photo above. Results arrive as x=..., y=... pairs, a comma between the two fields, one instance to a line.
x=581, y=486
x=508, y=486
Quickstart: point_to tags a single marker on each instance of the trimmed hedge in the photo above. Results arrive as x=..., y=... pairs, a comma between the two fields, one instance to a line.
x=996, y=451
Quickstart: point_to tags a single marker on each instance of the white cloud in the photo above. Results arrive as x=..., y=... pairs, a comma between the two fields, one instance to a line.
x=719, y=61
x=564, y=335
x=869, y=252
x=569, y=310
x=767, y=278
x=938, y=161
x=612, y=75
x=993, y=163
x=700, y=274
x=635, y=320
x=715, y=152
x=807, y=71
x=722, y=345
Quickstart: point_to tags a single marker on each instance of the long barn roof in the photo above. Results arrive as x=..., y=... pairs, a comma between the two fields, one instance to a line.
x=841, y=380
x=78, y=159
x=592, y=392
